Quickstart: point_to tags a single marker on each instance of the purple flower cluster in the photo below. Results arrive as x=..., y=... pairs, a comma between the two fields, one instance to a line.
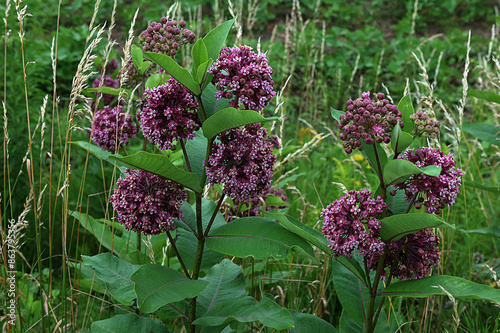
x=112, y=128
x=368, y=120
x=168, y=114
x=108, y=82
x=410, y=257
x=112, y=66
x=147, y=203
x=435, y=193
x=352, y=222
x=255, y=204
x=425, y=126
x=166, y=37
x=244, y=77
x=242, y=160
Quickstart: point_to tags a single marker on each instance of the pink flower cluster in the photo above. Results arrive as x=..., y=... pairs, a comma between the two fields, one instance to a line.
x=112, y=128
x=351, y=222
x=147, y=203
x=166, y=37
x=425, y=126
x=168, y=114
x=242, y=161
x=243, y=77
x=367, y=120
x=435, y=193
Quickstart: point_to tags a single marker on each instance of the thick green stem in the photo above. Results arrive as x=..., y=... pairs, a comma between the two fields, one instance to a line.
x=212, y=219
x=174, y=247
x=380, y=175
x=197, y=262
x=370, y=320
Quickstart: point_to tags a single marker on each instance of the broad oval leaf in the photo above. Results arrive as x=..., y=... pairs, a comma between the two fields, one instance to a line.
x=157, y=285
x=336, y=114
x=130, y=322
x=458, y=287
x=137, y=57
x=199, y=55
x=308, y=323
x=229, y=118
x=177, y=72
x=160, y=165
x=397, y=171
x=115, y=273
x=406, y=108
x=400, y=140
x=210, y=103
x=483, y=131
x=257, y=237
x=396, y=226
x=215, y=38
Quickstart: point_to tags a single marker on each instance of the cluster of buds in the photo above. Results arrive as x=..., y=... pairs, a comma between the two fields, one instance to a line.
x=366, y=121
x=166, y=37
x=425, y=126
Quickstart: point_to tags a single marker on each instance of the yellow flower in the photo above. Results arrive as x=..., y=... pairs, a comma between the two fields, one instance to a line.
x=358, y=157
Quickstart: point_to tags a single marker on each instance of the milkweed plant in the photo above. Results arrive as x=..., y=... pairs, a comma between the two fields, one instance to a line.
x=205, y=145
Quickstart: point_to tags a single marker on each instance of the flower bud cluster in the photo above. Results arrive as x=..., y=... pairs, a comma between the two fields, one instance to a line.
x=112, y=128
x=166, y=37
x=242, y=161
x=147, y=203
x=425, y=126
x=107, y=99
x=367, y=121
x=243, y=77
x=168, y=114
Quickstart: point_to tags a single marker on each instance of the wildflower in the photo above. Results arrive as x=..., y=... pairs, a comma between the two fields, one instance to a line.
x=367, y=121
x=242, y=160
x=147, y=203
x=243, y=77
x=166, y=37
x=424, y=126
x=112, y=128
x=435, y=193
x=168, y=114
x=352, y=222
x=410, y=257
x=255, y=204
x=108, y=82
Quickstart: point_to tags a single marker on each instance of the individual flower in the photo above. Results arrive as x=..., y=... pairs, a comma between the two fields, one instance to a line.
x=242, y=161
x=166, y=37
x=112, y=128
x=367, y=121
x=351, y=222
x=253, y=206
x=168, y=114
x=425, y=126
x=147, y=203
x=108, y=81
x=243, y=77
x=410, y=257
x=435, y=193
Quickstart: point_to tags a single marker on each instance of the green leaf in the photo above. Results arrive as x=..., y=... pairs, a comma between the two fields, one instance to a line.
x=215, y=39
x=456, y=286
x=273, y=201
x=109, y=90
x=396, y=226
x=485, y=187
x=397, y=204
x=349, y=325
x=153, y=81
x=400, y=140
x=257, y=237
x=336, y=114
x=115, y=274
x=486, y=95
x=491, y=231
x=370, y=155
x=406, y=108
x=197, y=151
x=177, y=72
x=353, y=266
x=246, y=309
x=145, y=67
x=202, y=71
x=311, y=235
x=137, y=57
x=130, y=322
x=187, y=244
x=199, y=55
x=160, y=165
x=230, y=118
x=211, y=104
x=225, y=282
x=308, y=323
x=94, y=150
x=397, y=171
x=483, y=131
x=157, y=285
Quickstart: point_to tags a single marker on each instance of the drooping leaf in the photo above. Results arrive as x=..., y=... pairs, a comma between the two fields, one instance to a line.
x=257, y=237
x=115, y=274
x=216, y=38
x=336, y=114
x=406, y=108
x=307, y=323
x=486, y=95
x=225, y=282
x=397, y=171
x=492, y=231
x=400, y=140
x=160, y=165
x=230, y=118
x=130, y=322
x=157, y=285
x=396, y=226
x=246, y=309
x=483, y=131
x=485, y=187
x=177, y=72
x=458, y=287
